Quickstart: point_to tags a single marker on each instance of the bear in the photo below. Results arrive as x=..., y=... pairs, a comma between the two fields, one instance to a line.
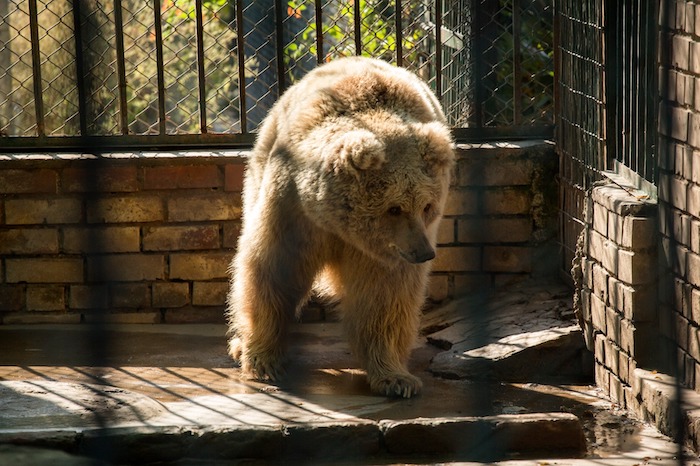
x=342, y=196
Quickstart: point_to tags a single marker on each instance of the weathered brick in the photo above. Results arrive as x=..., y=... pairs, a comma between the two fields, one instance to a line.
x=46, y=298
x=41, y=318
x=44, y=270
x=598, y=318
x=126, y=267
x=88, y=297
x=693, y=199
x=29, y=241
x=42, y=211
x=130, y=295
x=638, y=303
x=694, y=269
x=12, y=297
x=457, y=259
x=190, y=176
x=496, y=171
x=637, y=268
x=100, y=179
x=204, y=266
x=172, y=294
x=695, y=236
x=461, y=202
x=446, y=231
x=638, y=232
x=438, y=287
x=679, y=123
x=507, y=201
x=612, y=325
x=494, y=230
x=695, y=306
x=102, y=239
x=680, y=51
x=600, y=283
x=600, y=219
x=599, y=348
x=209, y=293
x=28, y=181
x=465, y=284
x=234, y=174
x=172, y=238
x=202, y=207
x=510, y=259
x=232, y=230
x=125, y=209
x=694, y=342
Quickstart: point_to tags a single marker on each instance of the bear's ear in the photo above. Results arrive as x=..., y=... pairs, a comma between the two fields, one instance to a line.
x=355, y=151
x=438, y=148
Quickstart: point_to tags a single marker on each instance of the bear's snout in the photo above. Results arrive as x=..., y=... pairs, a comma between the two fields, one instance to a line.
x=418, y=256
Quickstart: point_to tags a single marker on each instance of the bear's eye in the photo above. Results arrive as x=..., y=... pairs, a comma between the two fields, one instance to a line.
x=394, y=210
x=427, y=208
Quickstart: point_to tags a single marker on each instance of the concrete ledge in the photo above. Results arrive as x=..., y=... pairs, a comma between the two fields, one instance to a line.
x=465, y=438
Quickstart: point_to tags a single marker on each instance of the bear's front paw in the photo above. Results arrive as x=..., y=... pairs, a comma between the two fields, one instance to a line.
x=263, y=366
x=397, y=384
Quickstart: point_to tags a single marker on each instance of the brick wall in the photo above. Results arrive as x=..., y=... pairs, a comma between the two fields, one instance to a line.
x=616, y=273
x=679, y=189
x=150, y=236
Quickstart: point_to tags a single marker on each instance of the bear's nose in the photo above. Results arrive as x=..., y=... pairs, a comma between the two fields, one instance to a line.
x=424, y=256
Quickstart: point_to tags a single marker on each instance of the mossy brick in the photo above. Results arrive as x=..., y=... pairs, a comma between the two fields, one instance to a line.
x=203, y=207
x=131, y=209
x=44, y=270
x=462, y=202
x=126, y=267
x=203, y=266
x=507, y=201
x=233, y=177
x=99, y=179
x=43, y=211
x=101, y=239
x=29, y=241
x=130, y=295
x=209, y=293
x=88, y=297
x=173, y=238
x=17, y=181
x=494, y=230
x=457, y=259
x=185, y=176
x=511, y=259
x=46, y=298
x=173, y=294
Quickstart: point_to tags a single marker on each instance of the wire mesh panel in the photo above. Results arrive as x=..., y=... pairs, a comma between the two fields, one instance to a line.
x=580, y=110
x=206, y=72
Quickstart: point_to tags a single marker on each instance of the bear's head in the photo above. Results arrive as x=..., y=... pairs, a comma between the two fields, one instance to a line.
x=385, y=188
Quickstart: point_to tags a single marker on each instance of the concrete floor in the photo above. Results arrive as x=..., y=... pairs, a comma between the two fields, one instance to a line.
x=160, y=377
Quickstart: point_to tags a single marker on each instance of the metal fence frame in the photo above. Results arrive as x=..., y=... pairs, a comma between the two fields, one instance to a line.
x=464, y=78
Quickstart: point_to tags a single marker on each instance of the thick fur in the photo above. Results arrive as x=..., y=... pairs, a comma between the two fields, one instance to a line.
x=344, y=188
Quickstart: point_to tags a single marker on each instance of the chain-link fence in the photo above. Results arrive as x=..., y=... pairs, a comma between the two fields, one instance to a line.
x=205, y=72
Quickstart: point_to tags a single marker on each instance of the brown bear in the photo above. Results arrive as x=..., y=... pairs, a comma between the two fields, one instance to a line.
x=343, y=193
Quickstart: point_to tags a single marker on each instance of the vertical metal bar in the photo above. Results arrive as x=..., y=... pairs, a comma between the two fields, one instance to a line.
x=279, y=47
x=201, y=80
x=357, y=21
x=318, y=17
x=438, y=49
x=517, y=65
x=157, y=22
x=399, y=32
x=121, y=68
x=80, y=73
x=240, y=44
x=36, y=68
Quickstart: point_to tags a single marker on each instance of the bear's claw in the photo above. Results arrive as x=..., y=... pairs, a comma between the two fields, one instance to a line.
x=397, y=385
